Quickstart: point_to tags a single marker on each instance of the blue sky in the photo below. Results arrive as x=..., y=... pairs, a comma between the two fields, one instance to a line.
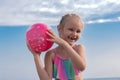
x=100, y=36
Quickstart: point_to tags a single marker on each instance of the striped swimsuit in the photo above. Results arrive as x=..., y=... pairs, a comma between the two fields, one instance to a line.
x=63, y=69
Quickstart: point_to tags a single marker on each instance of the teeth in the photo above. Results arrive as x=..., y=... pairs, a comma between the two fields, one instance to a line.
x=73, y=38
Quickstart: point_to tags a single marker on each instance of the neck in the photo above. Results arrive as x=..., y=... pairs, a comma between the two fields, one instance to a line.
x=62, y=52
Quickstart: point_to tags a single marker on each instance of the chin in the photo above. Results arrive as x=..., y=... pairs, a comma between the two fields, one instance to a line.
x=71, y=44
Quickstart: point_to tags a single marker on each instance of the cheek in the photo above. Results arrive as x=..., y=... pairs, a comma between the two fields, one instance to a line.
x=64, y=35
x=61, y=34
x=79, y=36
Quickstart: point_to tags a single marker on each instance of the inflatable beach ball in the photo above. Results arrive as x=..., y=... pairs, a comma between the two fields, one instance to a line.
x=37, y=38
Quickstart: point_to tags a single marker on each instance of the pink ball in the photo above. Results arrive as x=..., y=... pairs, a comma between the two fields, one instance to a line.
x=37, y=38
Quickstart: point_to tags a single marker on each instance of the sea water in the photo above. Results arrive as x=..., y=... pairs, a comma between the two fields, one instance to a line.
x=102, y=79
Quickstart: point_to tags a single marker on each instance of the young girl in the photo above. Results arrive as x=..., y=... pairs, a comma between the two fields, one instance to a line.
x=67, y=60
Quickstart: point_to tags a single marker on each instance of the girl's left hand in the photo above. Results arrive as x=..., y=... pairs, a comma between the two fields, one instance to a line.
x=55, y=38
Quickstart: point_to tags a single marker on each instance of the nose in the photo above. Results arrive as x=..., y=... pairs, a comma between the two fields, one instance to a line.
x=74, y=33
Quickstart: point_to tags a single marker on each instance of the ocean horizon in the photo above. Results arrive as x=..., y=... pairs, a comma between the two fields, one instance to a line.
x=109, y=78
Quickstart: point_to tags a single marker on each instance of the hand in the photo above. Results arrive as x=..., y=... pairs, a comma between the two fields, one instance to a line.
x=32, y=51
x=55, y=38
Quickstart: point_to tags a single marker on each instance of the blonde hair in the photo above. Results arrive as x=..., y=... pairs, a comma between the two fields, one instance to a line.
x=69, y=15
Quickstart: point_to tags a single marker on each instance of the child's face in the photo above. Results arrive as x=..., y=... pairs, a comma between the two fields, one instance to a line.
x=71, y=31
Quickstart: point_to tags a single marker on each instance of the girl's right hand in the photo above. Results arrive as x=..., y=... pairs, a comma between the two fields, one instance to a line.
x=32, y=51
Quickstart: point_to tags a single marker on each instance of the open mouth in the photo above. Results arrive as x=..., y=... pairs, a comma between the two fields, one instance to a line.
x=72, y=38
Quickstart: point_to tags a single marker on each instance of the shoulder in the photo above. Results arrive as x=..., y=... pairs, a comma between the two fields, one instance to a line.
x=49, y=54
x=80, y=47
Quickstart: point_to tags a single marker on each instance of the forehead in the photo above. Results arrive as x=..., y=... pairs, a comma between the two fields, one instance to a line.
x=74, y=22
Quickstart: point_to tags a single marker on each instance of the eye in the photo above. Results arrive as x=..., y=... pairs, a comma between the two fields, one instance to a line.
x=78, y=31
x=70, y=29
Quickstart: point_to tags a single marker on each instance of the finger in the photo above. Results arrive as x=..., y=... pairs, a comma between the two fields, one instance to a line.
x=52, y=36
x=51, y=40
x=51, y=31
x=28, y=46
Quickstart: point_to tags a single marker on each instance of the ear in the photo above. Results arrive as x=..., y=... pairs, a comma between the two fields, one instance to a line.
x=59, y=28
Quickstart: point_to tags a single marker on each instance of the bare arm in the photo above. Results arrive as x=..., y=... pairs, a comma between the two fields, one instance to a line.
x=77, y=56
x=42, y=72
